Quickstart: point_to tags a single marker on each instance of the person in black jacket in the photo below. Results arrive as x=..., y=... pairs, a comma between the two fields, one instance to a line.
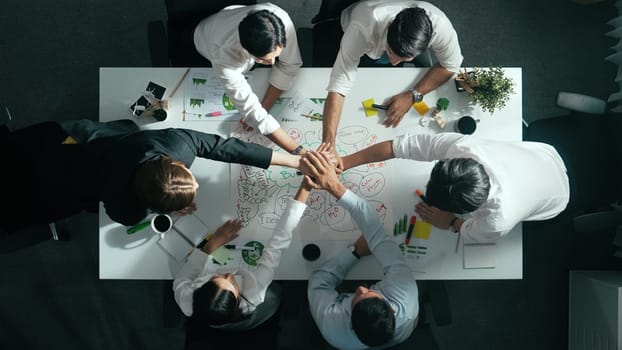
x=53, y=171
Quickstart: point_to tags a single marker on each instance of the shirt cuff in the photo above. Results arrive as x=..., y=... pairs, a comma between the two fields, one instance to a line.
x=348, y=200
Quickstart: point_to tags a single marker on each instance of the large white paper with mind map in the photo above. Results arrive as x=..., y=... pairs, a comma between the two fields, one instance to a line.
x=260, y=196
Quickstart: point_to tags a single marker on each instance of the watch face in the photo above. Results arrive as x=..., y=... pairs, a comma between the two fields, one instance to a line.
x=417, y=96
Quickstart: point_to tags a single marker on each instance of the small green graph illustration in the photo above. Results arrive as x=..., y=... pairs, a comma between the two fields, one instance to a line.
x=196, y=102
x=198, y=81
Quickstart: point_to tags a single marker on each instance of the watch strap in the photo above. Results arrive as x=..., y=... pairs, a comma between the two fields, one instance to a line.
x=298, y=150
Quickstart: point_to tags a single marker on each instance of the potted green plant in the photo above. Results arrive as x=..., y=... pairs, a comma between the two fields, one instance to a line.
x=490, y=88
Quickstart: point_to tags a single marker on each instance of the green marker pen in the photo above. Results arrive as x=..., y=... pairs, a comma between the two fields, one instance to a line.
x=138, y=227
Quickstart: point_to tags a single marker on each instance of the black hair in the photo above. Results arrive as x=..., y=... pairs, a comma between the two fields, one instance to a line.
x=261, y=32
x=459, y=185
x=373, y=321
x=215, y=306
x=410, y=32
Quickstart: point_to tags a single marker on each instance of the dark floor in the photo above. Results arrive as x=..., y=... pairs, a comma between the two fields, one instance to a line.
x=51, y=296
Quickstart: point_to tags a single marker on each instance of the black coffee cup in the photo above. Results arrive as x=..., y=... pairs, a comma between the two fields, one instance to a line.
x=161, y=223
x=466, y=125
x=159, y=115
x=311, y=252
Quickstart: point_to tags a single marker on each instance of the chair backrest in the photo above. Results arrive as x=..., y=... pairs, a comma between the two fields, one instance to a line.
x=330, y=10
x=180, y=10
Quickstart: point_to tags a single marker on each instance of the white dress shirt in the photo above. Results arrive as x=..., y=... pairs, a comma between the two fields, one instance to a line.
x=528, y=180
x=216, y=37
x=200, y=267
x=365, y=25
x=331, y=310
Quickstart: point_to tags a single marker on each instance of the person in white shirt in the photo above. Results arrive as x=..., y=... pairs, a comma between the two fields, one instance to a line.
x=243, y=299
x=236, y=38
x=396, y=31
x=383, y=315
x=500, y=183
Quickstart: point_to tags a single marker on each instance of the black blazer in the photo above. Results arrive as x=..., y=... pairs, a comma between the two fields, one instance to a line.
x=61, y=180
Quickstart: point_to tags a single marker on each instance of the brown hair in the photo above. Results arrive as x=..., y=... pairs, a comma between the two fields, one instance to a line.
x=164, y=185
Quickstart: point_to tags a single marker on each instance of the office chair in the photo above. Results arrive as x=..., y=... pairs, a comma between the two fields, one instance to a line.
x=588, y=140
x=327, y=32
x=172, y=44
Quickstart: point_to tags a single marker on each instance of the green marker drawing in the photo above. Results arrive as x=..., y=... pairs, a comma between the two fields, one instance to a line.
x=196, y=102
x=395, y=230
x=198, y=81
x=286, y=174
x=252, y=256
x=227, y=103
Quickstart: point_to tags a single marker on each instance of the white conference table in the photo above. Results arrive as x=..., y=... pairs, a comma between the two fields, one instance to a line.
x=138, y=256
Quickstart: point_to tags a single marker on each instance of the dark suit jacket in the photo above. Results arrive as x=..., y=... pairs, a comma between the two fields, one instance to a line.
x=57, y=180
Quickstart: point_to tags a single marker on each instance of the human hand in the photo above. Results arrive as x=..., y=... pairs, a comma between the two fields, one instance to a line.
x=335, y=158
x=225, y=233
x=188, y=210
x=399, y=105
x=327, y=149
x=433, y=215
x=323, y=174
x=360, y=247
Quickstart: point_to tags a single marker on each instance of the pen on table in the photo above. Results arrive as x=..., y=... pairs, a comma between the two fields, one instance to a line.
x=214, y=114
x=179, y=84
x=411, y=228
x=420, y=194
x=377, y=106
x=457, y=242
x=238, y=247
x=312, y=117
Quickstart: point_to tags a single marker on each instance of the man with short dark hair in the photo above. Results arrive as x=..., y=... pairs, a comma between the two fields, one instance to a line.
x=390, y=32
x=380, y=316
x=236, y=38
x=499, y=183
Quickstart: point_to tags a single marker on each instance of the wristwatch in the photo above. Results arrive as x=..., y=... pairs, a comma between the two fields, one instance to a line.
x=417, y=96
x=297, y=150
x=452, y=223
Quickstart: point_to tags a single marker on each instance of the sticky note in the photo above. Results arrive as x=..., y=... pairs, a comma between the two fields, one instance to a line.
x=422, y=230
x=421, y=108
x=369, y=110
x=221, y=255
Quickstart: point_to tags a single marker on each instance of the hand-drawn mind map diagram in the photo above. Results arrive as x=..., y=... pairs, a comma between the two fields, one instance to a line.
x=261, y=195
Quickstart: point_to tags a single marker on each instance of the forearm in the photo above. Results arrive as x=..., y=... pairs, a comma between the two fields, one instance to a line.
x=285, y=159
x=283, y=140
x=365, y=218
x=331, y=116
x=376, y=153
x=303, y=193
x=272, y=93
x=435, y=77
